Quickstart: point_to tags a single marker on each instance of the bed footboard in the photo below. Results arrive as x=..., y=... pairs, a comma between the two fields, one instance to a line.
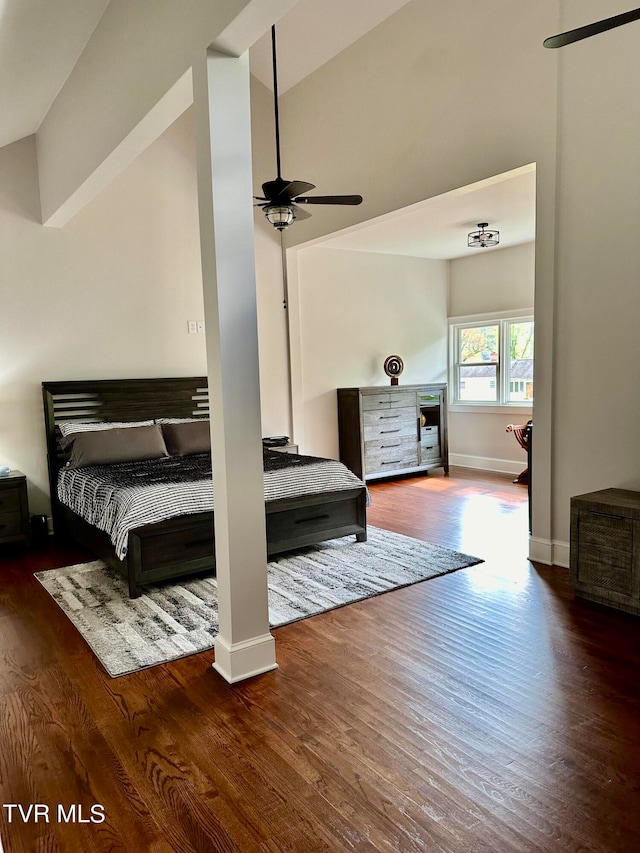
x=184, y=546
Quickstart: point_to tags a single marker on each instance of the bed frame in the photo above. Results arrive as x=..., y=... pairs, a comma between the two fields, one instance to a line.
x=183, y=545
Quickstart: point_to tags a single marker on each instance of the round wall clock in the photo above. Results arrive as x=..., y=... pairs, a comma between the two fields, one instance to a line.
x=393, y=367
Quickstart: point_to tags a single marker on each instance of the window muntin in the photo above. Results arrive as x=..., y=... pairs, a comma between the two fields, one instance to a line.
x=520, y=362
x=492, y=361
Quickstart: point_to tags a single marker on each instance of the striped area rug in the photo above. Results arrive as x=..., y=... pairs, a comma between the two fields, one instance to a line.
x=172, y=620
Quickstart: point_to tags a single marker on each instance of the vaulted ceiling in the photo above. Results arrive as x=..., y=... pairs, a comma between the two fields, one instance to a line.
x=41, y=40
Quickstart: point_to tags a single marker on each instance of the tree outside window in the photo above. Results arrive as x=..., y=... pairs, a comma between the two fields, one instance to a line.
x=493, y=361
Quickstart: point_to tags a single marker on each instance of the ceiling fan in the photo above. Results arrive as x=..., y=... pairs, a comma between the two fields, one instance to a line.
x=282, y=197
x=592, y=29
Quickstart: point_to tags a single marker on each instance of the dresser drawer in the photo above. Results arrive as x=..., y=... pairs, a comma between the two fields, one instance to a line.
x=430, y=454
x=376, y=401
x=10, y=524
x=608, y=531
x=294, y=525
x=163, y=546
x=402, y=399
x=390, y=416
x=392, y=444
x=429, y=432
x=388, y=400
x=10, y=500
x=14, y=508
x=605, y=569
x=390, y=455
x=392, y=422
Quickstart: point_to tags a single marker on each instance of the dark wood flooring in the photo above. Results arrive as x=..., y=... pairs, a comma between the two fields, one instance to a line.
x=484, y=710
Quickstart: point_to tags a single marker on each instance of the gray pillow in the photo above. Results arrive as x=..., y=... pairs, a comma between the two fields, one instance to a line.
x=187, y=438
x=107, y=447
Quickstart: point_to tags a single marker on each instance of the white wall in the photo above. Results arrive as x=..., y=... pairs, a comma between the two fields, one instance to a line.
x=109, y=295
x=397, y=117
x=356, y=308
x=496, y=280
x=598, y=262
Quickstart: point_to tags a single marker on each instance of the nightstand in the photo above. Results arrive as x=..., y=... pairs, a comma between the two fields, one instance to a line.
x=286, y=448
x=605, y=548
x=14, y=508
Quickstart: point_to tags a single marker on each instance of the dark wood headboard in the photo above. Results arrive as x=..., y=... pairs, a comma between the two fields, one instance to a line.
x=107, y=400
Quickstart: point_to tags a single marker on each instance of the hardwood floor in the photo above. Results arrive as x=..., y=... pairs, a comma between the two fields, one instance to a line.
x=484, y=710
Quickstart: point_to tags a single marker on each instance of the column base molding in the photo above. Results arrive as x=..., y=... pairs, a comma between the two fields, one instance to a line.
x=237, y=661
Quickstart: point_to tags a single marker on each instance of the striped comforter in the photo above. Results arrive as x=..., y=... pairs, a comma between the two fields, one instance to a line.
x=119, y=498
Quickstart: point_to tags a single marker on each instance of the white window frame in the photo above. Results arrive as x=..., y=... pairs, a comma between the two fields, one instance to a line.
x=502, y=404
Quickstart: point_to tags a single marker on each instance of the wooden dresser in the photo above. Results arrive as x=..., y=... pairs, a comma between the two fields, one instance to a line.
x=605, y=548
x=14, y=508
x=397, y=429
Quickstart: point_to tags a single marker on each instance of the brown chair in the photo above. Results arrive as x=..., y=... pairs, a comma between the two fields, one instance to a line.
x=522, y=433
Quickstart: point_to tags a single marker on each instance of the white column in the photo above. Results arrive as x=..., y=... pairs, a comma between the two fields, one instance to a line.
x=244, y=647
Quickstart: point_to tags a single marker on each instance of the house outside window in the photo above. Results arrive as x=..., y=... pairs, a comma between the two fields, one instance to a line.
x=491, y=361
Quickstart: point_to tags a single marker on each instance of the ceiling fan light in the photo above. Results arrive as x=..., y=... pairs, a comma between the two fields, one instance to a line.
x=279, y=215
x=483, y=238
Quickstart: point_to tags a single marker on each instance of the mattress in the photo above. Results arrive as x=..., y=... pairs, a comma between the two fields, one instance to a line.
x=119, y=498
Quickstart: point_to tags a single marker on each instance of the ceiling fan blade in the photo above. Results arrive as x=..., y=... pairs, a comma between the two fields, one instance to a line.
x=328, y=199
x=272, y=189
x=591, y=29
x=300, y=212
x=282, y=190
x=296, y=187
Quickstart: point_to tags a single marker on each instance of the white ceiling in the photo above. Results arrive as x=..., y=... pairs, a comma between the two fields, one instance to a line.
x=438, y=227
x=41, y=40
x=314, y=32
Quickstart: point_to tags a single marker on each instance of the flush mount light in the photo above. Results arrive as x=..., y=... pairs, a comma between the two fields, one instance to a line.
x=482, y=239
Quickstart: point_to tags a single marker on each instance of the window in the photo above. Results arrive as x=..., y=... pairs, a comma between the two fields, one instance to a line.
x=492, y=361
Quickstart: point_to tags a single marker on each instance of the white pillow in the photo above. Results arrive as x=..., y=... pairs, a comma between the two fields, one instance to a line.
x=72, y=427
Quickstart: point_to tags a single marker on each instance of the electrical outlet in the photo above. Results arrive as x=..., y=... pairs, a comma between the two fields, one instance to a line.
x=192, y=327
x=200, y=327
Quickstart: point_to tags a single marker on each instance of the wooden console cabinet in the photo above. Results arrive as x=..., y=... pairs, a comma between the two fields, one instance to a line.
x=14, y=508
x=397, y=429
x=605, y=548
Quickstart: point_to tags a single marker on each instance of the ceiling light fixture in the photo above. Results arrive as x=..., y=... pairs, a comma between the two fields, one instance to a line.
x=482, y=238
x=280, y=215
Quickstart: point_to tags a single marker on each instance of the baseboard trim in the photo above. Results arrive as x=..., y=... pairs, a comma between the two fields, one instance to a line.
x=238, y=661
x=487, y=463
x=562, y=554
x=550, y=552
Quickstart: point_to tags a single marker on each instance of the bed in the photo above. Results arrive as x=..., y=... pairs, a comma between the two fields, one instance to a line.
x=183, y=544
